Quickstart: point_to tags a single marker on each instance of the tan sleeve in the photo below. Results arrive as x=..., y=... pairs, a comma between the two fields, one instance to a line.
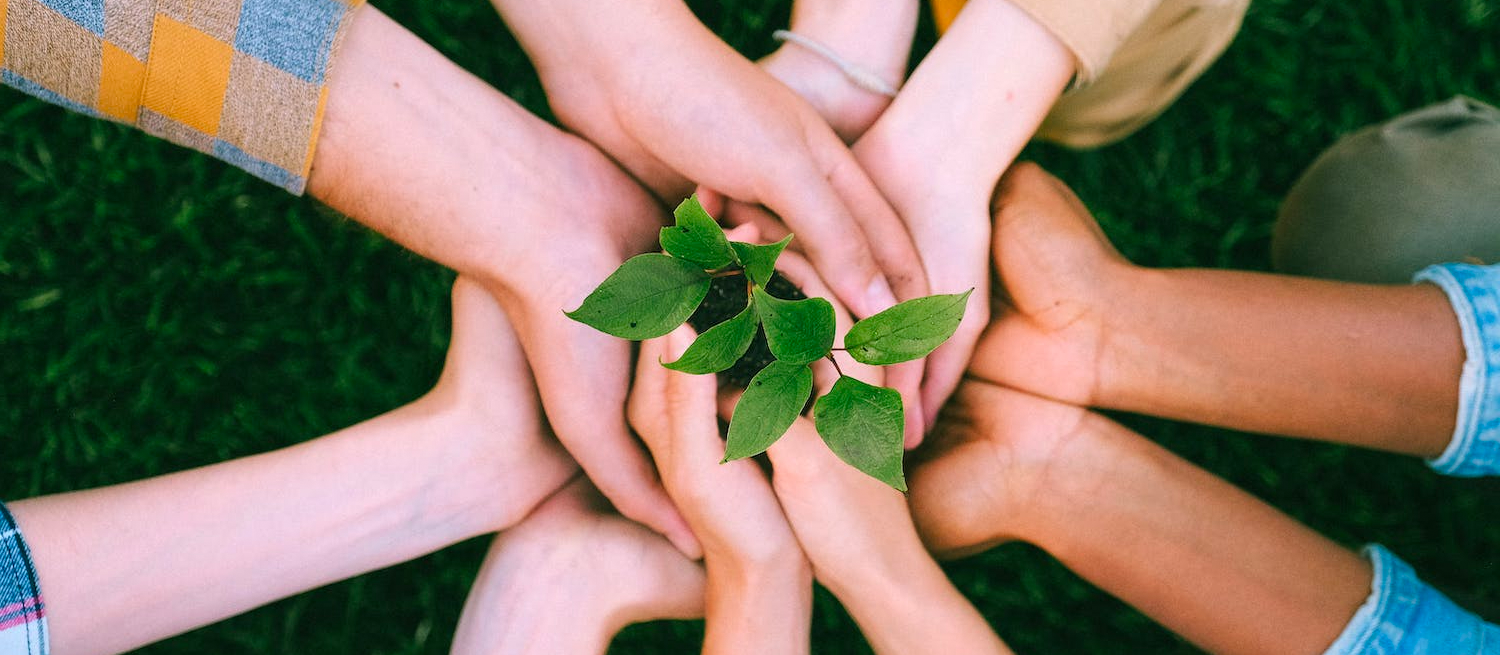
x=1091, y=29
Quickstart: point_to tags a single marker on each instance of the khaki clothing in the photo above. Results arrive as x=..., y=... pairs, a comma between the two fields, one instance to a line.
x=1135, y=58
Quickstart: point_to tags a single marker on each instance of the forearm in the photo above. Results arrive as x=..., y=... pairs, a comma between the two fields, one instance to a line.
x=126, y=565
x=758, y=609
x=425, y=153
x=914, y=609
x=1208, y=561
x=1007, y=69
x=1376, y=366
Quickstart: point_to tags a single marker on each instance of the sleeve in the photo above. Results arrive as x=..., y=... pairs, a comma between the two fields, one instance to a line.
x=23, y=616
x=1404, y=616
x=242, y=80
x=1092, y=30
x=1474, y=292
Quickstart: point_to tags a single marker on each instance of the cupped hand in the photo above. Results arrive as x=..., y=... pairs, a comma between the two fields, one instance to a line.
x=730, y=506
x=1058, y=278
x=678, y=107
x=589, y=218
x=488, y=400
x=571, y=576
x=978, y=480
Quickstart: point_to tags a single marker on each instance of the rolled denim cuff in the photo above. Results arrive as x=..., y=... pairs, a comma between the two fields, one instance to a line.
x=1474, y=292
x=1404, y=616
x=23, y=615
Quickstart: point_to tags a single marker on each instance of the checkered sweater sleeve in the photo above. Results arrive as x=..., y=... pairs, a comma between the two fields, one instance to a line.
x=23, y=616
x=242, y=80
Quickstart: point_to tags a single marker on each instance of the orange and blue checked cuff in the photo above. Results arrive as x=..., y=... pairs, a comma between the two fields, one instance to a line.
x=242, y=80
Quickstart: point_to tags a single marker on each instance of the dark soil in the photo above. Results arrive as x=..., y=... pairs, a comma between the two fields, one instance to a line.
x=726, y=298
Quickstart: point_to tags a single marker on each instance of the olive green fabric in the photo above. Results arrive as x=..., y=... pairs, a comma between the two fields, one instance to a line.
x=1423, y=188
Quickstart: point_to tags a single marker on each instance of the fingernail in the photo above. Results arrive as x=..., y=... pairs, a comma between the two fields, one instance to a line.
x=879, y=297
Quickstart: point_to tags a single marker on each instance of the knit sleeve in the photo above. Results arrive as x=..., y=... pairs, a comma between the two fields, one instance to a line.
x=241, y=80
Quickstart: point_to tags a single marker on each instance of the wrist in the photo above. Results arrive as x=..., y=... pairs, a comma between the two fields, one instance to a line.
x=976, y=60
x=484, y=476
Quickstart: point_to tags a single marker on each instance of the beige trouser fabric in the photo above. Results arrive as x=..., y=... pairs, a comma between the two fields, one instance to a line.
x=1149, y=71
x=1135, y=57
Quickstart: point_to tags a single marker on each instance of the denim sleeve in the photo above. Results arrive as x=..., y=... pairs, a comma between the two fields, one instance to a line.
x=1404, y=616
x=23, y=616
x=1474, y=292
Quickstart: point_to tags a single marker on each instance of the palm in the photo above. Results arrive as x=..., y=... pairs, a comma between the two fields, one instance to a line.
x=973, y=483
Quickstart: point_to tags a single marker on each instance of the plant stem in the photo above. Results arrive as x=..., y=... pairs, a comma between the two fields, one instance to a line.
x=836, y=363
x=727, y=273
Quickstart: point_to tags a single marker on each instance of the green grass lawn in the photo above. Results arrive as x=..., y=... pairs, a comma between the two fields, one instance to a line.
x=159, y=310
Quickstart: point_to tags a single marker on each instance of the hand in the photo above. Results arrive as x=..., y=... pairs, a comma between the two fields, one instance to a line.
x=600, y=219
x=938, y=160
x=730, y=505
x=979, y=480
x=672, y=103
x=537, y=216
x=1058, y=277
x=570, y=577
x=859, y=535
x=759, y=583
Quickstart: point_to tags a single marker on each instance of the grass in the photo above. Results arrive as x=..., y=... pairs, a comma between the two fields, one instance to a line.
x=159, y=310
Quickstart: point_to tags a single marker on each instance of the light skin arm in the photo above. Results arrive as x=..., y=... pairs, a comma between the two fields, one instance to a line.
x=875, y=35
x=117, y=563
x=1208, y=561
x=1375, y=366
x=430, y=156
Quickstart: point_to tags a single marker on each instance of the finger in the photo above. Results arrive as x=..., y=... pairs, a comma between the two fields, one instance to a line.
x=946, y=365
x=484, y=344
x=769, y=228
x=832, y=238
x=690, y=401
x=712, y=201
x=645, y=407
x=894, y=249
x=582, y=376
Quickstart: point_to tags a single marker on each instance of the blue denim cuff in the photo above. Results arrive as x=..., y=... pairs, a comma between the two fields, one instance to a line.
x=23, y=616
x=1474, y=292
x=1404, y=616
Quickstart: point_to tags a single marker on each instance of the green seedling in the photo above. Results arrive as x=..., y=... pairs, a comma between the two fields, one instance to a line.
x=650, y=295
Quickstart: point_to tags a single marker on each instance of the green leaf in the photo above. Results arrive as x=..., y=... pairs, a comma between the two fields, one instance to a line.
x=771, y=403
x=646, y=297
x=720, y=346
x=798, y=331
x=697, y=237
x=907, y=331
x=759, y=261
x=863, y=425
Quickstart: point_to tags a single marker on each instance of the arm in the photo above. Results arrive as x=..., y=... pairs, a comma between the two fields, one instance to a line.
x=1208, y=561
x=429, y=155
x=1376, y=366
x=875, y=35
x=116, y=563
